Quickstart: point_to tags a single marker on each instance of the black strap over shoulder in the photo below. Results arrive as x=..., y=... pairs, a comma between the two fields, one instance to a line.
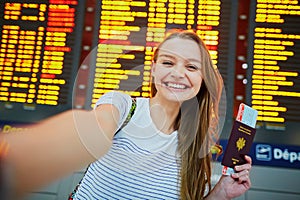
x=129, y=116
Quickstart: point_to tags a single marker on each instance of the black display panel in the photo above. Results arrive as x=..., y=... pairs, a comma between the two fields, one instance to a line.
x=274, y=60
x=39, y=57
x=129, y=31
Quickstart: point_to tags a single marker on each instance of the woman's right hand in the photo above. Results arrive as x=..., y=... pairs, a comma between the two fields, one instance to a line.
x=234, y=185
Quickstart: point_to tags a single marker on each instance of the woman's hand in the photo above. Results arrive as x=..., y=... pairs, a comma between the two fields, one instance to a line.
x=234, y=185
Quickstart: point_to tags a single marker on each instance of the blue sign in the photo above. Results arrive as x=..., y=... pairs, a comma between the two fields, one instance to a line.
x=272, y=154
x=263, y=152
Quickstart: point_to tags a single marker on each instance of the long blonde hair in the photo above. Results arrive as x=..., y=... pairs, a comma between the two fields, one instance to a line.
x=196, y=122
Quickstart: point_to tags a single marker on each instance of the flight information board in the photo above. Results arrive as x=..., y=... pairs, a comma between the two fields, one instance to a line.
x=276, y=59
x=129, y=31
x=275, y=88
x=38, y=57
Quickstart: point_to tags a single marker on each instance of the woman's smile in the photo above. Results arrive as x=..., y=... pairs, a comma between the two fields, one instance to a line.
x=176, y=86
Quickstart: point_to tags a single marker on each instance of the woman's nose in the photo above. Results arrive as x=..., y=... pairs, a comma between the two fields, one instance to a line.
x=178, y=71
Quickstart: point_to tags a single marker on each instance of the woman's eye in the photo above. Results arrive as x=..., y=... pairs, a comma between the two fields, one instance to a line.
x=168, y=63
x=192, y=67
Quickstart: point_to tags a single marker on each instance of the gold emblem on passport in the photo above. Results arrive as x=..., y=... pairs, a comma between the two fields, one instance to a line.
x=240, y=143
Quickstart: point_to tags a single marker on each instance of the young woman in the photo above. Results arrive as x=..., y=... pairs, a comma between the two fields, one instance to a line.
x=162, y=153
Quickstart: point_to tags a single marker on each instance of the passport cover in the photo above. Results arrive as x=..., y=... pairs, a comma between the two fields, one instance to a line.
x=239, y=144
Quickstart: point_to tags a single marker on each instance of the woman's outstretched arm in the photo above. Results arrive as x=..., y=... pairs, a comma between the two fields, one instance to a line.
x=58, y=146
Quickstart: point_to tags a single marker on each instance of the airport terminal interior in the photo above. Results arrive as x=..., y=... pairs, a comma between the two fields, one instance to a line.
x=58, y=55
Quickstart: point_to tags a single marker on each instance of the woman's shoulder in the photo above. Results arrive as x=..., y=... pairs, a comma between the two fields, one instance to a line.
x=113, y=97
x=115, y=94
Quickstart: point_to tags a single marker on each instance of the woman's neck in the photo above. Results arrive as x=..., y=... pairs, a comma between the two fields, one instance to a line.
x=164, y=114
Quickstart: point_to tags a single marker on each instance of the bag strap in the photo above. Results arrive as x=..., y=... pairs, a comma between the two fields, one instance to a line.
x=129, y=116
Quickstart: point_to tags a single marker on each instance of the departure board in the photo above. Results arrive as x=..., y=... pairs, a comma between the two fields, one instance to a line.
x=40, y=47
x=129, y=31
x=275, y=91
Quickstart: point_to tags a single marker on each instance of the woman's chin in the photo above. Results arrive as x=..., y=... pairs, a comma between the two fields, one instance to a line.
x=178, y=97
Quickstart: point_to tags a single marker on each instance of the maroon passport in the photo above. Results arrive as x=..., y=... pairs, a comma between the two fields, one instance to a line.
x=239, y=144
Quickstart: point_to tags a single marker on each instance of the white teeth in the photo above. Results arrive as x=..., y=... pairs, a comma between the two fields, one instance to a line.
x=176, y=86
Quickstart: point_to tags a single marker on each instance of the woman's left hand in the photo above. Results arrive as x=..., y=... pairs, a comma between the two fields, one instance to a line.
x=234, y=185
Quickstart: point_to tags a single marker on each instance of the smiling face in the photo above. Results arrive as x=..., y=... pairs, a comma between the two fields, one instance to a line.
x=177, y=70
